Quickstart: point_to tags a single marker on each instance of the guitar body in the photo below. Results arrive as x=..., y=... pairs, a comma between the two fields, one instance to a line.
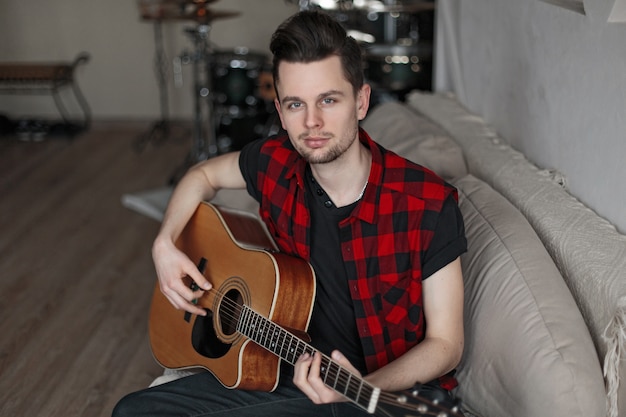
x=237, y=256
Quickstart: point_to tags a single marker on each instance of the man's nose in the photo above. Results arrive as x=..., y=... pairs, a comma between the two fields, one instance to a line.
x=313, y=117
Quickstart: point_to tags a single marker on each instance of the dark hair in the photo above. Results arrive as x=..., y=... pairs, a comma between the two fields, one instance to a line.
x=312, y=35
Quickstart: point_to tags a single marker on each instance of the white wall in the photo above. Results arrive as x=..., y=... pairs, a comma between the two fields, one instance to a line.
x=552, y=82
x=119, y=81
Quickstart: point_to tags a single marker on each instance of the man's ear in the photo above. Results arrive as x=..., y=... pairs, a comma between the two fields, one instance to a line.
x=363, y=101
x=278, y=110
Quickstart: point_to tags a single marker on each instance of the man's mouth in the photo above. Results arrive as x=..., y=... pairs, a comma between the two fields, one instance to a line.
x=316, y=142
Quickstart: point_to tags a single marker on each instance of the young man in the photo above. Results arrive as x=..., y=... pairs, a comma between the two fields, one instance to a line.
x=383, y=235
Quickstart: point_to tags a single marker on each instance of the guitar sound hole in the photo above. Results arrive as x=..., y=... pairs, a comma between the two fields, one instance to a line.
x=230, y=311
x=204, y=338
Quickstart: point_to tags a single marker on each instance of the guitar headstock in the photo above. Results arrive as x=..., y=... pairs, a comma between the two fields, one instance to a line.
x=418, y=402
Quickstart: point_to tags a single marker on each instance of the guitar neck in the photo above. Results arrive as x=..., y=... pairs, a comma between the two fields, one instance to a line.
x=289, y=348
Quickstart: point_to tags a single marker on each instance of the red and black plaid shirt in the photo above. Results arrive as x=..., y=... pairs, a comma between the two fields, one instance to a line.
x=383, y=241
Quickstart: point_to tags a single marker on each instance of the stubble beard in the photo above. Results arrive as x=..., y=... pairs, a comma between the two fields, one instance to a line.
x=331, y=154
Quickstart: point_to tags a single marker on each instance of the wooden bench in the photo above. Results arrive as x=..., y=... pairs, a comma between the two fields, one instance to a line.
x=46, y=78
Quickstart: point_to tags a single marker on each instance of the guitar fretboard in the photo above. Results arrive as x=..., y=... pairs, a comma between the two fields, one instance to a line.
x=288, y=347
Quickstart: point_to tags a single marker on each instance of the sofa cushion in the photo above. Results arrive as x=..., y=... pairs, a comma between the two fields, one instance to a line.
x=237, y=199
x=408, y=133
x=528, y=351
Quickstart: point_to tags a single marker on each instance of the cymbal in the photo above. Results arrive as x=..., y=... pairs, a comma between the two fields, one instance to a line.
x=201, y=15
x=185, y=2
x=376, y=6
x=181, y=4
x=204, y=16
x=379, y=7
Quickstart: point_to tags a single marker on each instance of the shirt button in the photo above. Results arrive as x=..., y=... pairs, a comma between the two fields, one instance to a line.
x=320, y=192
x=328, y=203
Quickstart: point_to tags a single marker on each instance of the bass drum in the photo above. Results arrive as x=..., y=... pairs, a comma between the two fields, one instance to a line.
x=237, y=126
x=399, y=68
x=235, y=76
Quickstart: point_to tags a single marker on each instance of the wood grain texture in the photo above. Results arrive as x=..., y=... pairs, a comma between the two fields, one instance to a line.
x=76, y=275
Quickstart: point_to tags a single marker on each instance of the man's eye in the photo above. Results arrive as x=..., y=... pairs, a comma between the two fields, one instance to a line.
x=328, y=100
x=295, y=105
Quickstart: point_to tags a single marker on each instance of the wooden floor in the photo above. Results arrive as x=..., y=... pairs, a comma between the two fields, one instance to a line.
x=76, y=274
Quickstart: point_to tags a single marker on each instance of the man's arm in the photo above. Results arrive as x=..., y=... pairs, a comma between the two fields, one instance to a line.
x=442, y=348
x=201, y=183
x=436, y=355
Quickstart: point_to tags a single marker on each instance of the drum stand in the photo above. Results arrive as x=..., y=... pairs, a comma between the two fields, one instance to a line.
x=161, y=129
x=204, y=144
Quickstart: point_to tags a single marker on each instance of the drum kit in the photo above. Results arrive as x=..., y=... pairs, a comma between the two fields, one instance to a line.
x=395, y=35
x=233, y=88
x=228, y=103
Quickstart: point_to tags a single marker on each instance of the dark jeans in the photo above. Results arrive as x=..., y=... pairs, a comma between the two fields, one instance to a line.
x=202, y=395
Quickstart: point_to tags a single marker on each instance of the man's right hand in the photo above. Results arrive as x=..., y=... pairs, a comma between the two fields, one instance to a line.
x=200, y=183
x=172, y=266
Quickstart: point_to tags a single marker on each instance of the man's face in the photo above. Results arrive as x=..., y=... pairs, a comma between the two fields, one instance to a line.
x=318, y=108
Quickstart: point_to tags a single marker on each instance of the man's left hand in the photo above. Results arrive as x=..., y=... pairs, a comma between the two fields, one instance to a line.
x=307, y=377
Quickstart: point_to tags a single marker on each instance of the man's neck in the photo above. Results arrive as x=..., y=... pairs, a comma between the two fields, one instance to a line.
x=345, y=180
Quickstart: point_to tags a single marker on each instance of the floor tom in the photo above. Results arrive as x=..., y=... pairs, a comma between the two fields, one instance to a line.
x=235, y=75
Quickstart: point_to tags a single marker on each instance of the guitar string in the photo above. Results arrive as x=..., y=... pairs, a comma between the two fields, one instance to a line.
x=342, y=375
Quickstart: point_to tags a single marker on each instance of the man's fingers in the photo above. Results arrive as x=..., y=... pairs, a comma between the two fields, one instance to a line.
x=183, y=297
x=198, y=278
x=182, y=304
x=344, y=362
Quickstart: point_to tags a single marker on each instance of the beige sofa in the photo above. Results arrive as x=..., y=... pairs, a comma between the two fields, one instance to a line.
x=545, y=277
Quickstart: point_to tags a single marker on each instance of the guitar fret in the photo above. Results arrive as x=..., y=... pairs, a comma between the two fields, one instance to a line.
x=263, y=333
x=361, y=397
x=288, y=347
x=347, y=383
x=324, y=369
x=275, y=340
x=281, y=343
x=243, y=321
x=293, y=350
x=333, y=373
x=259, y=330
x=250, y=326
x=272, y=341
x=269, y=334
x=298, y=351
x=357, y=397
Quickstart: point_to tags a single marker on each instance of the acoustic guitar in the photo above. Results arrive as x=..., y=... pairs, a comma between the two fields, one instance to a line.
x=257, y=314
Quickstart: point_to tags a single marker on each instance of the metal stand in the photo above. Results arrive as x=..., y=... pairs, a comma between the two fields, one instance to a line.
x=204, y=144
x=161, y=129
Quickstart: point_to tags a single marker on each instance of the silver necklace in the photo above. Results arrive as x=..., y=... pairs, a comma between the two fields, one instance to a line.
x=361, y=193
